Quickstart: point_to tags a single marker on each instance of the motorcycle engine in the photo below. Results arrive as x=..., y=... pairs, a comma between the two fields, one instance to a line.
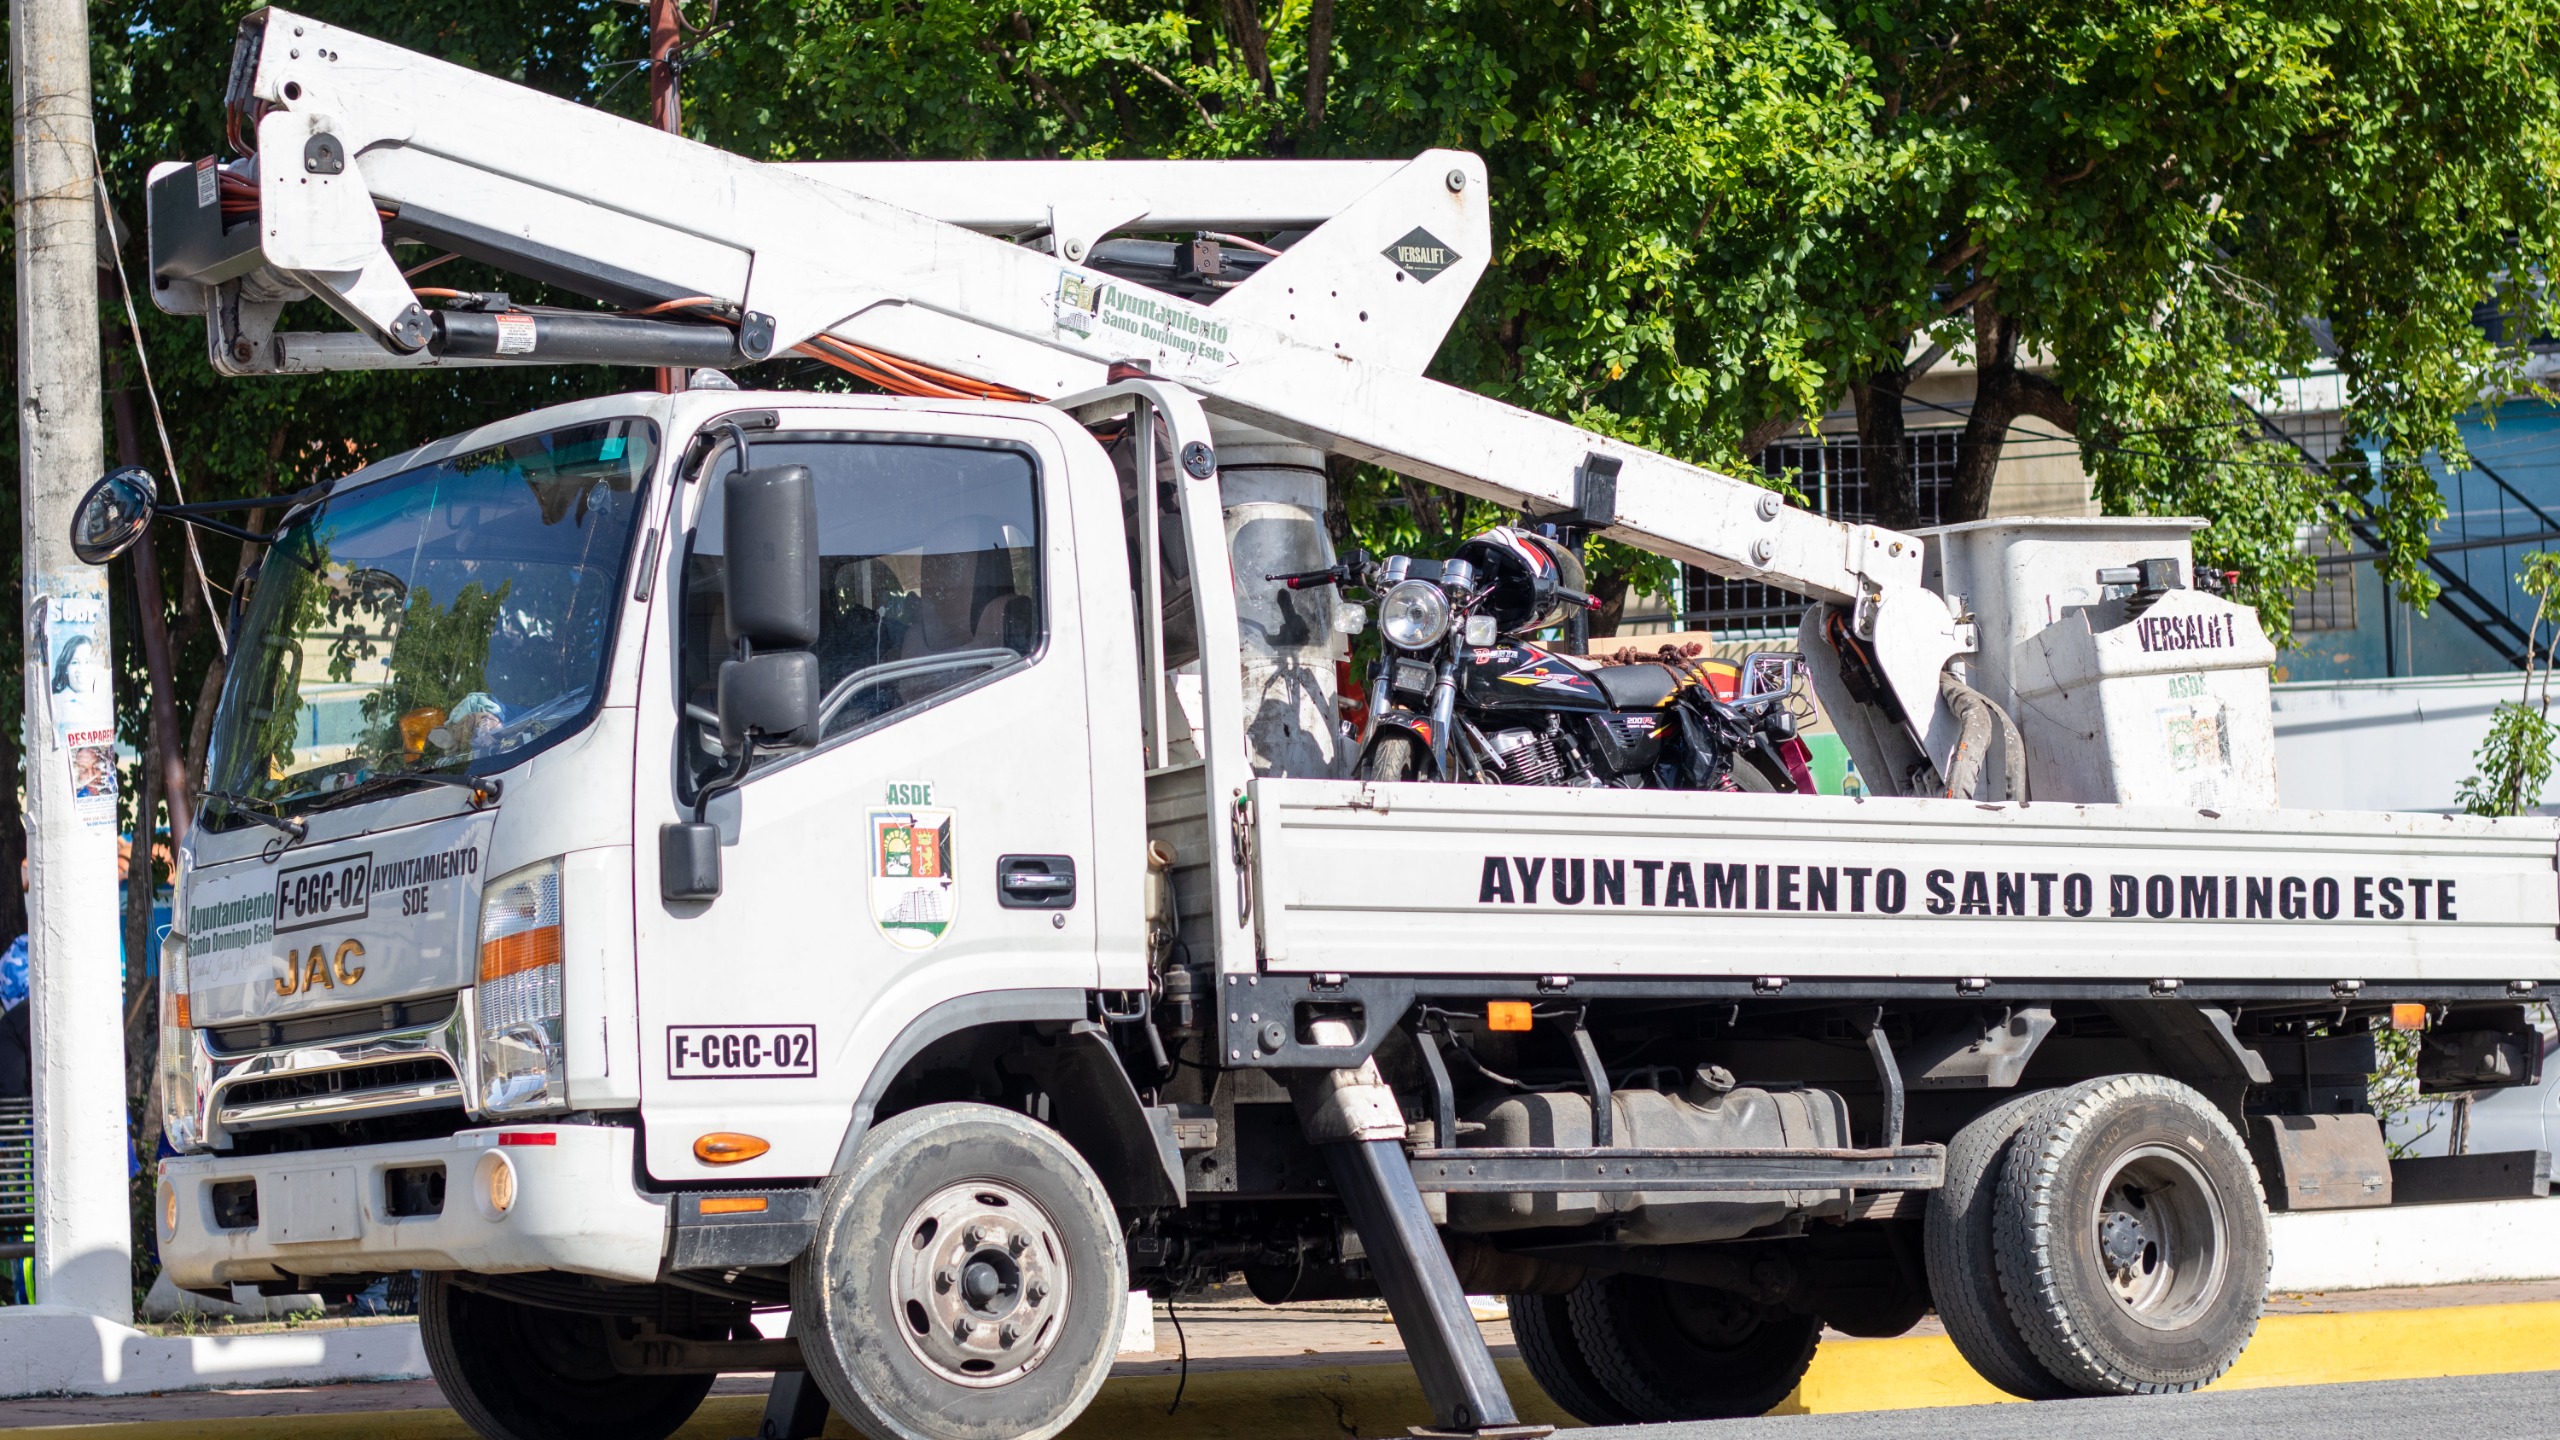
x=1527, y=757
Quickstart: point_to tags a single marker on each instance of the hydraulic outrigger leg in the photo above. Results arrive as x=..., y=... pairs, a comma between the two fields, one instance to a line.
x=1352, y=1116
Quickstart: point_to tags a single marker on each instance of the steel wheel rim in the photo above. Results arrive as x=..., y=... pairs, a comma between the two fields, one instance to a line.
x=2159, y=1237
x=979, y=1283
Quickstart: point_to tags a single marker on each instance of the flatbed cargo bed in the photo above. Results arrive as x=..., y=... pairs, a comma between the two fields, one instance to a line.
x=1459, y=880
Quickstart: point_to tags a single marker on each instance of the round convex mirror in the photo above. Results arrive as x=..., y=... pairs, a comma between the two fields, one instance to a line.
x=114, y=514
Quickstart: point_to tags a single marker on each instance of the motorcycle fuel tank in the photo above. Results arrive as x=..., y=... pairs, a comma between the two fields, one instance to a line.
x=1525, y=677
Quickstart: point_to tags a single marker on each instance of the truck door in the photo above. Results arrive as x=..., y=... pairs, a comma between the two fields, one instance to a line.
x=937, y=842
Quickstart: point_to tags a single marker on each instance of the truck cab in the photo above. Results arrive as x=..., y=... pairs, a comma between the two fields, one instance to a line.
x=475, y=680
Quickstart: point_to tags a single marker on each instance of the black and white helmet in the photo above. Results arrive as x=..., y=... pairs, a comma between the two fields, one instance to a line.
x=1531, y=582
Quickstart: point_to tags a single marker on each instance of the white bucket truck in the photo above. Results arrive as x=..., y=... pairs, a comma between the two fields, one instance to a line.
x=674, y=856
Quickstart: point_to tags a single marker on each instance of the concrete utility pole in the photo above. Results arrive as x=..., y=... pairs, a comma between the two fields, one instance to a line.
x=83, y=1257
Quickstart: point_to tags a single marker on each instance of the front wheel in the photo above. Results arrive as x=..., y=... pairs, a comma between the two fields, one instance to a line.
x=520, y=1372
x=966, y=1281
x=1395, y=756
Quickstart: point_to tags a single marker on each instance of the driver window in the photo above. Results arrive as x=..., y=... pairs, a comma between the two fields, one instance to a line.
x=929, y=579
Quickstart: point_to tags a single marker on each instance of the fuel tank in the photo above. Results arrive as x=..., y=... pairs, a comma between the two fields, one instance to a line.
x=1710, y=1113
x=1497, y=678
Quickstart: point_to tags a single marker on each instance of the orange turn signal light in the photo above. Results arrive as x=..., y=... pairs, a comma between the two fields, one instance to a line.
x=725, y=1147
x=2408, y=1015
x=733, y=1205
x=1506, y=1015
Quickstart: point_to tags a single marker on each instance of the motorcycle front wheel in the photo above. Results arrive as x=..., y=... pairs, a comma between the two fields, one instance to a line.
x=1393, y=757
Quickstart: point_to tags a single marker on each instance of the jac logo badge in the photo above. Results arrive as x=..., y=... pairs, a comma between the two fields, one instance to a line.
x=1421, y=255
x=320, y=970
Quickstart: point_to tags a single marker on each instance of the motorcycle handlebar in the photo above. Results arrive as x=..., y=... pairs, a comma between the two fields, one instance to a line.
x=1576, y=597
x=1305, y=578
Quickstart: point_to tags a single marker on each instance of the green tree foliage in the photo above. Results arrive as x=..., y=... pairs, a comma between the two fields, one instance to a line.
x=2513, y=762
x=1713, y=218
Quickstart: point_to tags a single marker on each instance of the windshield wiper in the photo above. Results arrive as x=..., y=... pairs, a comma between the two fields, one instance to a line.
x=240, y=806
x=484, y=789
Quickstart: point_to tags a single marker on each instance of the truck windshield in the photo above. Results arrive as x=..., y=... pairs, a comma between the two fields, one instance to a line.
x=452, y=618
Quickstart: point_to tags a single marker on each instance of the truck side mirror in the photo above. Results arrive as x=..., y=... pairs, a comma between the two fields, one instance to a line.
x=769, y=690
x=770, y=520
x=769, y=699
x=769, y=693
x=113, y=515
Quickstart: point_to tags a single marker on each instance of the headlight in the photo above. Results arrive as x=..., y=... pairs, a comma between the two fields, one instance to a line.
x=519, y=996
x=182, y=1071
x=1413, y=615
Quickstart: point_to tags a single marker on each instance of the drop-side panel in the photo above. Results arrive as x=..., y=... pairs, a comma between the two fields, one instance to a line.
x=1463, y=879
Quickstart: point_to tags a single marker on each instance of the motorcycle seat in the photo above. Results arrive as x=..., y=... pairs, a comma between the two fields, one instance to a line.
x=1636, y=687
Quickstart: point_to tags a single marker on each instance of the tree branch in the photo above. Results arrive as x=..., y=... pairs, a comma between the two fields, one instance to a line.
x=1167, y=82
x=1767, y=433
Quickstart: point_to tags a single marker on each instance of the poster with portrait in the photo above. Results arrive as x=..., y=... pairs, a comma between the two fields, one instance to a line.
x=70, y=633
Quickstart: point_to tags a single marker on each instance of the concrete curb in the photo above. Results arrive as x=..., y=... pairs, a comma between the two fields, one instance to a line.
x=1330, y=1402
x=2415, y=1245
x=52, y=1350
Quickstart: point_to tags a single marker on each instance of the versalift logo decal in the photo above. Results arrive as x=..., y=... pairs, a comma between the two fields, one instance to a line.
x=2186, y=632
x=1421, y=255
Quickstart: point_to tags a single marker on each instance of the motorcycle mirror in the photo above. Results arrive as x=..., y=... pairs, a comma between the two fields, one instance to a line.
x=114, y=514
x=1769, y=672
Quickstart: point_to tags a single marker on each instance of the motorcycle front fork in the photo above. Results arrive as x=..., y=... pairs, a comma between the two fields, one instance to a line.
x=1444, y=711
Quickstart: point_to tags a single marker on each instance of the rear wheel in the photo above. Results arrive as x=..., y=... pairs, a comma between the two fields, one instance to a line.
x=1667, y=1351
x=1395, y=756
x=1543, y=1326
x=520, y=1372
x=2132, y=1241
x=1964, y=1278
x=966, y=1281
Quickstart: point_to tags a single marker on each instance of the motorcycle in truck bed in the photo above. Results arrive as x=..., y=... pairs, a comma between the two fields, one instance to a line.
x=899, y=859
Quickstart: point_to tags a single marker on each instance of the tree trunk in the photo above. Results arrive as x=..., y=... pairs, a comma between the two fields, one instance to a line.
x=141, y=992
x=2002, y=393
x=1882, y=455
x=1613, y=593
x=153, y=615
x=1428, y=503
x=1244, y=23
x=1319, y=58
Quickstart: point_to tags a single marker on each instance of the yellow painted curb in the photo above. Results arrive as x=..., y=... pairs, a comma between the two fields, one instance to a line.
x=1337, y=1401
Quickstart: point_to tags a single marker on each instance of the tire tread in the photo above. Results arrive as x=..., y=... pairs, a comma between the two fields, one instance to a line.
x=1958, y=1252
x=2027, y=1229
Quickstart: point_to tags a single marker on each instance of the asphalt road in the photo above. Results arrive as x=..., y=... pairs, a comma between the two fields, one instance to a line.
x=2471, y=1407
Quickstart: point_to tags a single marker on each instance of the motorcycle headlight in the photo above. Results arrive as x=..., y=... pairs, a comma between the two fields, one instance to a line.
x=184, y=1072
x=1413, y=615
x=518, y=1001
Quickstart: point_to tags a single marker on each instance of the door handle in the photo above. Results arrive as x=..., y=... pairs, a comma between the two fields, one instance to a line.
x=1036, y=882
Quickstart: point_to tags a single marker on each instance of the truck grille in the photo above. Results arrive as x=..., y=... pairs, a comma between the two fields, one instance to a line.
x=334, y=1025
x=346, y=1083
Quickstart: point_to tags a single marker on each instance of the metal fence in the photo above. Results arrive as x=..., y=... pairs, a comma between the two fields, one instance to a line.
x=1829, y=471
x=17, y=1180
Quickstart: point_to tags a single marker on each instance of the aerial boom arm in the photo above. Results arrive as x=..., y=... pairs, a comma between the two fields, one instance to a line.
x=360, y=144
